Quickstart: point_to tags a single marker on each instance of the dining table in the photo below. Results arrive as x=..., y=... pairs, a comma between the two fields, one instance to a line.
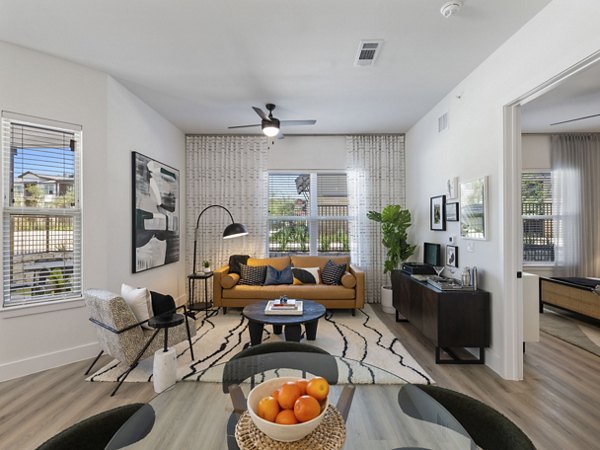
x=385, y=412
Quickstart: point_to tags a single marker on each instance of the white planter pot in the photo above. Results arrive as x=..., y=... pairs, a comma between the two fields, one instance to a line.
x=386, y=300
x=206, y=269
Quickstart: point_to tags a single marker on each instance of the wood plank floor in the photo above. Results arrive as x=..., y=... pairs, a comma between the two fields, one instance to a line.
x=557, y=405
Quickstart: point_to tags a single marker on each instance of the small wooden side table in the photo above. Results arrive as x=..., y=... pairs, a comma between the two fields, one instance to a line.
x=199, y=306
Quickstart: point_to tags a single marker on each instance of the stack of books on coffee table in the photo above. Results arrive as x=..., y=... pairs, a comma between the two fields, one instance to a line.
x=289, y=308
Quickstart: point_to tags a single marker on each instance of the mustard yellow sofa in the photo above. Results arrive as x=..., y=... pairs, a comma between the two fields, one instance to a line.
x=350, y=294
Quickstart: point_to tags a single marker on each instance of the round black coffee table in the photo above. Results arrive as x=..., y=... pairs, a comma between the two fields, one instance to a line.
x=257, y=319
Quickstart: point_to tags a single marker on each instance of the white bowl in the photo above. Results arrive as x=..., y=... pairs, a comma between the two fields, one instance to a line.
x=279, y=432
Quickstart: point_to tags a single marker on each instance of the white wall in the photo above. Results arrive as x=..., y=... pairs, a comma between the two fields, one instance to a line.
x=562, y=34
x=535, y=150
x=308, y=152
x=113, y=120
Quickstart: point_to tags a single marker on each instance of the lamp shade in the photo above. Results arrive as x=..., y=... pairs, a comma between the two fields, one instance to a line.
x=270, y=127
x=234, y=230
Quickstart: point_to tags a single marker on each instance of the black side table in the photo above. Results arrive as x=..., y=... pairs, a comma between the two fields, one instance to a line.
x=199, y=306
x=169, y=321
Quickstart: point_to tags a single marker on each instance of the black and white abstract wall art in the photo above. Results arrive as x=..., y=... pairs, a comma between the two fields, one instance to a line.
x=156, y=205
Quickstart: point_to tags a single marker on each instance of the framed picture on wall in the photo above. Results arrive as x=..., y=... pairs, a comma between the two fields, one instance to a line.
x=156, y=206
x=452, y=212
x=437, y=213
x=451, y=256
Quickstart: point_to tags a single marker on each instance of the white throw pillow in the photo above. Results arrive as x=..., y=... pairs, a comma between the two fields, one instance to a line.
x=139, y=301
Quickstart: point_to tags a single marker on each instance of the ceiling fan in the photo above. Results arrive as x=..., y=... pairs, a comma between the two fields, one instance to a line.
x=271, y=125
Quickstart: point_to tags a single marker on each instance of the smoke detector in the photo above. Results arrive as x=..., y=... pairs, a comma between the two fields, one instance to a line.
x=451, y=7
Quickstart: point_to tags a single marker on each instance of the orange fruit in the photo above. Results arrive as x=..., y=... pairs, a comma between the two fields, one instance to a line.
x=288, y=394
x=268, y=408
x=302, y=385
x=318, y=388
x=286, y=417
x=275, y=395
x=306, y=408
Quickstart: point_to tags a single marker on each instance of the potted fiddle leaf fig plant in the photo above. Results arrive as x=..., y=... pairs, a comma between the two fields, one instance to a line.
x=394, y=221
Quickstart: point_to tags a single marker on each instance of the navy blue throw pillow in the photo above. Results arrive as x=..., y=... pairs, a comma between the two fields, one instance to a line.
x=333, y=273
x=275, y=276
x=235, y=261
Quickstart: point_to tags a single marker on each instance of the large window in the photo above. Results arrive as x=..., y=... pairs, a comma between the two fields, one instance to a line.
x=308, y=214
x=536, y=209
x=41, y=215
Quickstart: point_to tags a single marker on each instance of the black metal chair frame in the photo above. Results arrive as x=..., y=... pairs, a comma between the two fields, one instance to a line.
x=121, y=378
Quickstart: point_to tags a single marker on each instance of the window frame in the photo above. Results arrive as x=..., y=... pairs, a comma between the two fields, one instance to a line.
x=55, y=302
x=552, y=217
x=312, y=218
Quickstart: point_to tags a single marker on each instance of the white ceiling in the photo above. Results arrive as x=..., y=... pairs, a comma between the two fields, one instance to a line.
x=203, y=64
x=577, y=97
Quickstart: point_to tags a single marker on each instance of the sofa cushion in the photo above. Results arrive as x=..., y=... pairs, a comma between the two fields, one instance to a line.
x=235, y=261
x=306, y=291
x=318, y=261
x=275, y=276
x=348, y=280
x=306, y=275
x=254, y=276
x=332, y=273
x=230, y=280
x=279, y=263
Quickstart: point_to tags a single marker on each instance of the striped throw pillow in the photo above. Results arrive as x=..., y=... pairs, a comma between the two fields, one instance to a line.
x=333, y=273
x=252, y=275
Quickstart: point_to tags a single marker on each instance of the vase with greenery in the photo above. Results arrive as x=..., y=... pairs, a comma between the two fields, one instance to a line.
x=394, y=222
x=206, y=266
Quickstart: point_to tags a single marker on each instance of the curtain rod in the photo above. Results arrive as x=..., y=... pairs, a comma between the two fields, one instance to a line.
x=299, y=135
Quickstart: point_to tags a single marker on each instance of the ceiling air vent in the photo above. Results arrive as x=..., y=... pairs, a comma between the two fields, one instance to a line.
x=368, y=50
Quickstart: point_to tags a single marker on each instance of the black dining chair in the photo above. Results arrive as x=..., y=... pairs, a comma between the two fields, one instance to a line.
x=96, y=432
x=489, y=429
x=278, y=355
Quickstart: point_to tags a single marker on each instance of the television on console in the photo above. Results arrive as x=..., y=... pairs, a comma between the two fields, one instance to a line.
x=432, y=254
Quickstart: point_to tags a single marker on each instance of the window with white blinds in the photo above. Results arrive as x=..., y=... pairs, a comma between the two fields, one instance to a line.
x=538, y=219
x=41, y=211
x=308, y=214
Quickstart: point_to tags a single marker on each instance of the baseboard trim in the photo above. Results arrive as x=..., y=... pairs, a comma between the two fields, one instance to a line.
x=38, y=363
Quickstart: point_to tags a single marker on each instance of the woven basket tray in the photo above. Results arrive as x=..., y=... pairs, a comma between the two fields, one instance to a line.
x=329, y=435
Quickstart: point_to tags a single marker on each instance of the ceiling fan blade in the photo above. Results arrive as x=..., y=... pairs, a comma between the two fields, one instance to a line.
x=575, y=120
x=298, y=122
x=280, y=135
x=245, y=126
x=260, y=113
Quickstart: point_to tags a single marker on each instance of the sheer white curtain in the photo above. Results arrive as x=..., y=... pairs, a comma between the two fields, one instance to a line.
x=228, y=171
x=576, y=195
x=376, y=178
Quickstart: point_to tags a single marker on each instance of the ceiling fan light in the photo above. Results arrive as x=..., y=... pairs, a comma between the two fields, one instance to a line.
x=270, y=127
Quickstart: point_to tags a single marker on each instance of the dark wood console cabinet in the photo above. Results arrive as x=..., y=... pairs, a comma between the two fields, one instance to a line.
x=449, y=319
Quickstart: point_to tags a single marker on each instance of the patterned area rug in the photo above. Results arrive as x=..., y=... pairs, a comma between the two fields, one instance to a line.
x=573, y=328
x=363, y=338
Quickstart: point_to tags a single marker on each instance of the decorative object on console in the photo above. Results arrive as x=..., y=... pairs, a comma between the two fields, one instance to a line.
x=206, y=266
x=451, y=255
x=452, y=212
x=155, y=224
x=232, y=230
x=437, y=213
x=473, y=209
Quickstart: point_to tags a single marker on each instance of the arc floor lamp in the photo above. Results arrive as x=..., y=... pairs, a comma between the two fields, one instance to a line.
x=232, y=230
